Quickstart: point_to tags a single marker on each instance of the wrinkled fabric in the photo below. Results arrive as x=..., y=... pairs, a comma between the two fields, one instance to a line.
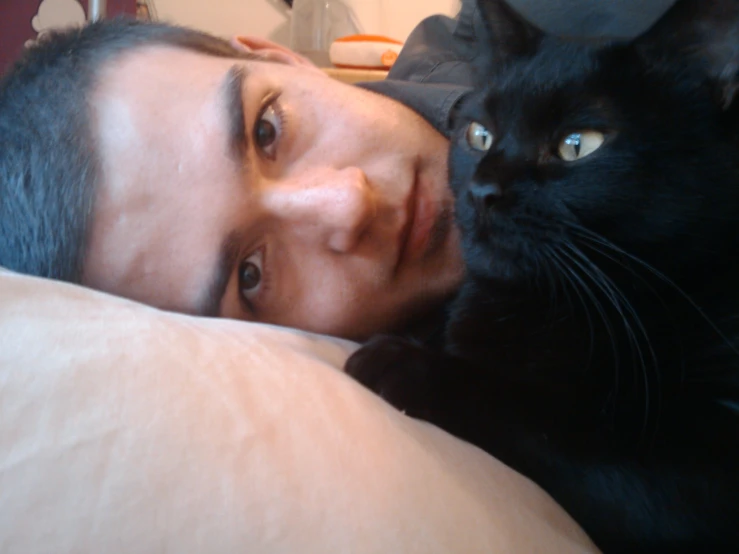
x=450, y=54
x=617, y=19
x=124, y=429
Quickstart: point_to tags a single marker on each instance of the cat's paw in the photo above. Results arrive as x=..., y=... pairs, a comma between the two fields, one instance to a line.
x=398, y=370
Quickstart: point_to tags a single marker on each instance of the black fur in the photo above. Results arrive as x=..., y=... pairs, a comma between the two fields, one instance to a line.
x=594, y=343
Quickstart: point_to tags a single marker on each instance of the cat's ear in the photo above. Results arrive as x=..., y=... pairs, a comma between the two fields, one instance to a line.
x=510, y=34
x=703, y=32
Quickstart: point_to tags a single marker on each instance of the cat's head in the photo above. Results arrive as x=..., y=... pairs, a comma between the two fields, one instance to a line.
x=635, y=142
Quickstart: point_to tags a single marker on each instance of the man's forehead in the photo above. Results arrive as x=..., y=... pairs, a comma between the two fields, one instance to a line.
x=151, y=238
x=158, y=108
x=161, y=64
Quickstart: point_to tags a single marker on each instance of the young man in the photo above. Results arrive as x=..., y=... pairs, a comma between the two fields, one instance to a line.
x=237, y=180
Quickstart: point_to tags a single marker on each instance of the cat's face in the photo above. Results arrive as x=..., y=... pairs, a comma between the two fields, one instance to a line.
x=596, y=138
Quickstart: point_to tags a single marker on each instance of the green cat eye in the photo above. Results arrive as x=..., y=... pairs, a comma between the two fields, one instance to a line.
x=576, y=146
x=478, y=137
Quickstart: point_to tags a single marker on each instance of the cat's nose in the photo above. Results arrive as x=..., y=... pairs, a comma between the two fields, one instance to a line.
x=485, y=195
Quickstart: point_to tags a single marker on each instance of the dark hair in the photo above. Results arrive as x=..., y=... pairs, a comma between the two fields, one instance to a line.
x=49, y=165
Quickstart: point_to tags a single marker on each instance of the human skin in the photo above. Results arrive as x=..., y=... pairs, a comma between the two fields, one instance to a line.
x=327, y=205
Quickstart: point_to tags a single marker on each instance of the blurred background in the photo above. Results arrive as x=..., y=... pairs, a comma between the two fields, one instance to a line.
x=22, y=20
x=271, y=18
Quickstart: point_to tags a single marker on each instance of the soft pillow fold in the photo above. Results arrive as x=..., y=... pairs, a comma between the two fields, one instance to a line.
x=128, y=429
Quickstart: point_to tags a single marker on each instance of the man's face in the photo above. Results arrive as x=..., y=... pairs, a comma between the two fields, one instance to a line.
x=269, y=192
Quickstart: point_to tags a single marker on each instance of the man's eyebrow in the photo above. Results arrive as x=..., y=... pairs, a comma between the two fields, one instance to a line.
x=232, y=99
x=232, y=92
x=228, y=256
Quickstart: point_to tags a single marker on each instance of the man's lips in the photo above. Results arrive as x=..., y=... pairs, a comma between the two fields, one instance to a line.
x=415, y=234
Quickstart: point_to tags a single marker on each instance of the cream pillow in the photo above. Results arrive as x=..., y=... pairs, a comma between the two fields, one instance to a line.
x=128, y=429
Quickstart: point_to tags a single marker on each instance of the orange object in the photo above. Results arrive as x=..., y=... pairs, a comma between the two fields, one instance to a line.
x=365, y=52
x=388, y=57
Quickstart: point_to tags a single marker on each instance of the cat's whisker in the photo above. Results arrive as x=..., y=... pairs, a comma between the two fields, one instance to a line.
x=562, y=274
x=588, y=234
x=616, y=296
x=594, y=246
x=555, y=282
x=598, y=248
x=626, y=309
x=576, y=280
x=606, y=320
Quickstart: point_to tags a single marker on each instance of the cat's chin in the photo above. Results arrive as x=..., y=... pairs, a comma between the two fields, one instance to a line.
x=503, y=255
x=495, y=263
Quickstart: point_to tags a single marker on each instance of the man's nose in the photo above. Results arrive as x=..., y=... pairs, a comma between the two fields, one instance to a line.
x=333, y=206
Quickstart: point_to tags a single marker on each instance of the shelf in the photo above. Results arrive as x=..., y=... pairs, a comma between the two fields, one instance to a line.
x=355, y=75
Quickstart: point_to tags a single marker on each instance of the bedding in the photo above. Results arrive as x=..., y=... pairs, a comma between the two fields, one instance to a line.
x=128, y=429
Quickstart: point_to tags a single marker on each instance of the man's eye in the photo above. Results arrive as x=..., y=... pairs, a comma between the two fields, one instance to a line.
x=268, y=129
x=250, y=277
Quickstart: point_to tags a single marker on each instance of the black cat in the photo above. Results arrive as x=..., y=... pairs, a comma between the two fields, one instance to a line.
x=593, y=345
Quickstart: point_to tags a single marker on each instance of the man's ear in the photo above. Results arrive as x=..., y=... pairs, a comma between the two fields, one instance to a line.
x=267, y=50
x=703, y=33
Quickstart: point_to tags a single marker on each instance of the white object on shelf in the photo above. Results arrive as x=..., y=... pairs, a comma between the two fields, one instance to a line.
x=365, y=52
x=96, y=9
x=315, y=24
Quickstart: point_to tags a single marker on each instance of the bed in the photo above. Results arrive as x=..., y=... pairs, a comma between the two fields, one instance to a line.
x=128, y=429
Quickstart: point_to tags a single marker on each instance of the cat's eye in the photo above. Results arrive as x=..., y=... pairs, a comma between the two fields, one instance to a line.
x=576, y=146
x=478, y=137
